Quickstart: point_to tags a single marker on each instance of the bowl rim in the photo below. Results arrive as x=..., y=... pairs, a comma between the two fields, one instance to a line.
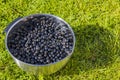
x=32, y=15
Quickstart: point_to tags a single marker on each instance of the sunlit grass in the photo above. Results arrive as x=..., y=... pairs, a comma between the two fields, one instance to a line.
x=96, y=26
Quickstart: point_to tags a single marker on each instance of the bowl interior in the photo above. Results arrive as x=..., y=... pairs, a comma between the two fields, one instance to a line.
x=38, y=19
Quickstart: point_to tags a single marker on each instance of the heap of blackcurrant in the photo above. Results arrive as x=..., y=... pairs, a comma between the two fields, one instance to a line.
x=41, y=40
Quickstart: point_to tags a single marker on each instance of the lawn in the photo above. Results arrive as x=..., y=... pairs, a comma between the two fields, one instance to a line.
x=96, y=24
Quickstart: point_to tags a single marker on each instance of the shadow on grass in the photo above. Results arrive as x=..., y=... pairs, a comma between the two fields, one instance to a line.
x=95, y=48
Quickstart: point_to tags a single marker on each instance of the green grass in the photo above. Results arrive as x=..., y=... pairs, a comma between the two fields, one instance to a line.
x=96, y=24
